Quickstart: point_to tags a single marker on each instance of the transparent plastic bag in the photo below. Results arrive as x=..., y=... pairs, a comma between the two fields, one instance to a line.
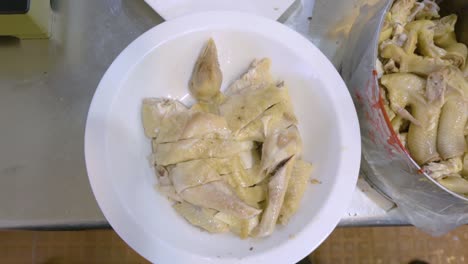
x=349, y=38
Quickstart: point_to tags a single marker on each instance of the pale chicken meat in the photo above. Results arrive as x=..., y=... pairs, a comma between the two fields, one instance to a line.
x=207, y=77
x=274, y=118
x=232, y=160
x=240, y=227
x=165, y=185
x=201, y=217
x=251, y=157
x=190, y=149
x=279, y=147
x=277, y=186
x=425, y=82
x=296, y=188
x=190, y=125
x=220, y=196
x=257, y=76
x=155, y=110
x=191, y=174
x=242, y=108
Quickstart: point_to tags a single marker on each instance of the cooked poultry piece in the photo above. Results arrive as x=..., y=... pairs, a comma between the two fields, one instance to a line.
x=464, y=171
x=226, y=162
x=227, y=165
x=279, y=147
x=296, y=187
x=425, y=43
x=192, y=173
x=427, y=9
x=165, y=184
x=444, y=31
x=424, y=71
x=401, y=10
x=242, y=108
x=404, y=90
x=251, y=158
x=220, y=196
x=273, y=119
x=190, y=149
x=456, y=55
x=451, y=139
x=201, y=217
x=207, y=77
x=249, y=177
x=455, y=183
x=155, y=110
x=257, y=76
x=196, y=172
x=438, y=170
x=277, y=187
x=412, y=62
x=241, y=227
x=192, y=125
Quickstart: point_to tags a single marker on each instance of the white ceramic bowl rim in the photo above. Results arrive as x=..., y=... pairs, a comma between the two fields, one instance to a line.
x=347, y=167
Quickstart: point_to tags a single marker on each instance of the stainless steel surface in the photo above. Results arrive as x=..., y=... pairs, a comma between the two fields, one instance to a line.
x=46, y=87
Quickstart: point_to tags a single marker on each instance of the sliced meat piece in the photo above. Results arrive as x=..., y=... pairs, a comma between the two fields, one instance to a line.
x=296, y=187
x=155, y=110
x=252, y=176
x=279, y=147
x=242, y=108
x=455, y=183
x=257, y=76
x=250, y=158
x=169, y=191
x=201, y=217
x=275, y=118
x=241, y=227
x=277, y=187
x=220, y=196
x=190, y=149
x=190, y=125
x=192, y=173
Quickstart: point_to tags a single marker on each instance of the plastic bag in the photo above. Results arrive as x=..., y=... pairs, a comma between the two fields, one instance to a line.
x=386, y=163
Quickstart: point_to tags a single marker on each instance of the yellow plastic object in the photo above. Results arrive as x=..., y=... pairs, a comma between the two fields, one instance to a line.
x=33, y=24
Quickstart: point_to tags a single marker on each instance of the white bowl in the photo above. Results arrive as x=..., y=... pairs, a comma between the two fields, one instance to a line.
x=159, y=64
